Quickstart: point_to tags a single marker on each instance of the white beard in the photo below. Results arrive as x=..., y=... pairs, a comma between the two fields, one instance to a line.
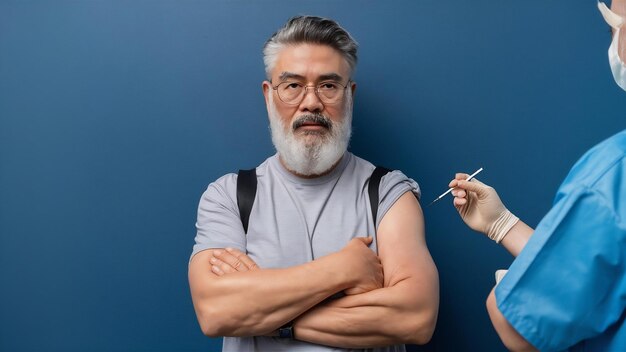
x=311, y=154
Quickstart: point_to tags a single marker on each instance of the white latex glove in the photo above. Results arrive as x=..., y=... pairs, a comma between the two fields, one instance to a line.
x=480, y=207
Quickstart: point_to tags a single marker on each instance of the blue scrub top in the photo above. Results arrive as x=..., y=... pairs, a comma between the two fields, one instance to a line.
x=567, y=288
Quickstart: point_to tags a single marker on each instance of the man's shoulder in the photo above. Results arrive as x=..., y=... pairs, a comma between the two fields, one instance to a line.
x=221, y=189
x=363, y=167
x=226, y=186
x=369, y=167
x=357, y=160
x=389, y=180
x=230, y=179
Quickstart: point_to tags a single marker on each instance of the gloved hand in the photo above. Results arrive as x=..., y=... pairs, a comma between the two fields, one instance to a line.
x=480, y=207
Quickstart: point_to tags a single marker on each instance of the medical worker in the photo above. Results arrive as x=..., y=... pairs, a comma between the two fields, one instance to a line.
x=566, y=289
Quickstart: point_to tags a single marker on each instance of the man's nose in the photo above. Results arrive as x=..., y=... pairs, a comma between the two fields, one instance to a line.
x=311, y=102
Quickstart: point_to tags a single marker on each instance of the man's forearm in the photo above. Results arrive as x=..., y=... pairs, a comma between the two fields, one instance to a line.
x=260, y=301
x=246, y=302
x=404, y=313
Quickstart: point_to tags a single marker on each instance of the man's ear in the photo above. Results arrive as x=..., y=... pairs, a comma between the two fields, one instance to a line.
x=267, y=90
x=352, y=90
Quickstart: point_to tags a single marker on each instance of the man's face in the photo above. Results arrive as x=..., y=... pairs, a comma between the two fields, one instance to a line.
x=310, y=134
x=308, y=64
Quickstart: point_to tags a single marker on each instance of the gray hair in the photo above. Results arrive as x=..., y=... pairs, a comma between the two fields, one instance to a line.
x=310, y=29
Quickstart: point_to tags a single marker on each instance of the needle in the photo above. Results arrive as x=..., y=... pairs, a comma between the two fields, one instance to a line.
x=450, y=190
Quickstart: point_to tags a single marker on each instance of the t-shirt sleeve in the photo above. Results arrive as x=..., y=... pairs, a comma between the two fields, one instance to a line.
x=218, y=224
x=392, y=186
x=568, y=283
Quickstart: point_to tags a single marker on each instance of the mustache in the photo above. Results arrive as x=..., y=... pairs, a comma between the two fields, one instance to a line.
x=318, y=119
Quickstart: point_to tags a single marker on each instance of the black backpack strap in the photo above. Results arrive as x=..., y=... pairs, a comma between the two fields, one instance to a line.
x=372, y=189
x=246, y=192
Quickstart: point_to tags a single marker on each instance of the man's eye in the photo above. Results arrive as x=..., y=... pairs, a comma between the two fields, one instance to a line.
x=328, y=86
x=292, y=85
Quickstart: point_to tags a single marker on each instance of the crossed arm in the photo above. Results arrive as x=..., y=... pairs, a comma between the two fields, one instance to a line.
x=257, y=302
x=238, y=299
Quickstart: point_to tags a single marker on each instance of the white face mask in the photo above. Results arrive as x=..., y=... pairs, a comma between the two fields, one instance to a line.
x=617, y=65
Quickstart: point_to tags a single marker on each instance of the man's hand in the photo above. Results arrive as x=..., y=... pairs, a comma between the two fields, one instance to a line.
x=364, y=263
x=229, y=260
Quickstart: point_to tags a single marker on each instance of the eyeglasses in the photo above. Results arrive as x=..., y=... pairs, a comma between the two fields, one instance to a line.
x=328, y=92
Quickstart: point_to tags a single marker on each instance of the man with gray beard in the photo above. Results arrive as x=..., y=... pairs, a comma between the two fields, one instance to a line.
x=311, y=268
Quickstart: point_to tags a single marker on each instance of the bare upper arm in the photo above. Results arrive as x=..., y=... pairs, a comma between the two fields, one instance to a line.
x=200, y=271
x=402, y=245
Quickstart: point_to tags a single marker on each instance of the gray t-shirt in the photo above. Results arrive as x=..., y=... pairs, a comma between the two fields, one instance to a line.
x=293, y=221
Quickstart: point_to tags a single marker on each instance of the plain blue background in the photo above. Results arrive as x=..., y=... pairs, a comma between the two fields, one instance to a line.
x=116, y=115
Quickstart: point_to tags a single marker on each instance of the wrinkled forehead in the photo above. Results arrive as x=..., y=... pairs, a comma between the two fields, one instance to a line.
x=311, y=63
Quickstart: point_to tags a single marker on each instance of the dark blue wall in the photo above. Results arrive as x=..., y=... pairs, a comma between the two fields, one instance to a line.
x=115, y=116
